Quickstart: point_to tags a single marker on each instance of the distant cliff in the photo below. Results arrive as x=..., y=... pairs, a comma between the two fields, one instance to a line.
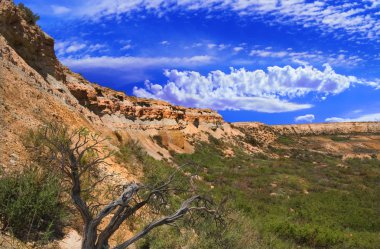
x=328, y=128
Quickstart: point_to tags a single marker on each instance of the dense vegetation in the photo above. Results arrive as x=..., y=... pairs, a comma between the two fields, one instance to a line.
x=30, y=205
x=302, y=199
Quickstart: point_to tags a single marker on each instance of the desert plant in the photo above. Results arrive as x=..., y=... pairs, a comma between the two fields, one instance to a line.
x=67, y=150
x=28, y=14
x=30, y=205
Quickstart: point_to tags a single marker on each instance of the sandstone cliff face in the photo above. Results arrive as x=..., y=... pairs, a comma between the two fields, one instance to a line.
x=35, y=87
x=119, y=111
x=328, y=128
x=98, y=104
x=30, y=42
x=257, y=133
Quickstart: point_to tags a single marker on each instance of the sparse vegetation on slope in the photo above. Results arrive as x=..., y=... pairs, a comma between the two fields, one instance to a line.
x=303, y=198
x=28, y=14
x=30, y=206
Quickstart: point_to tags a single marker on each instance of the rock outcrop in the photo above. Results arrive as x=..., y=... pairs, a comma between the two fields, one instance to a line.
x=119, y=111
x=29, y=41
x=328, y=128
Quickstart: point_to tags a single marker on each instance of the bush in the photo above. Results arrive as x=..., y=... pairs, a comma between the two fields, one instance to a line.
x=315, y=236
x=285, y=140
x=29, y=204
x=28, y=14
x=130, y=151
x=340, y=138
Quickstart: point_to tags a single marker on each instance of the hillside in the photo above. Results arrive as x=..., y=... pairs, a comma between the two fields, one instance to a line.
x=273, y=174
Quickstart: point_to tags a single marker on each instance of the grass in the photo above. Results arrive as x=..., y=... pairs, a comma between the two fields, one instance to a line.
x=304, y=199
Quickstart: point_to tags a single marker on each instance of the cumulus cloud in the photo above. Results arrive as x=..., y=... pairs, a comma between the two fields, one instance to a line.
x=130, y=62
x=367, y=117
x=355, y=18
x=305, y=118
x=269, y=92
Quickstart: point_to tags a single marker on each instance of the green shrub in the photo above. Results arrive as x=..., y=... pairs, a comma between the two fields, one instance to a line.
x=312, y=235
x=340, y=138
x=158, y=140
x=30, y=205
x=28, y=14
x=285, y=140
x=131, y=151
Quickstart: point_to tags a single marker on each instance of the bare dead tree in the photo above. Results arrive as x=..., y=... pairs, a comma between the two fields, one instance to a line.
x=68, y=151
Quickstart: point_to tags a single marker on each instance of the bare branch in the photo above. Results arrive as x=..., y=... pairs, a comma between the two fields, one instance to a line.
x=185, y=207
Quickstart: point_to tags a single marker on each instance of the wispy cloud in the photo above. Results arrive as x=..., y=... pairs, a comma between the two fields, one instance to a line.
x=354, y=18
x=238, y=49
x=129, y=62
x=258, y=90
x=367, y=117
x=310, y=57
x=308, y=118
x=70, y=47
x=59, y=10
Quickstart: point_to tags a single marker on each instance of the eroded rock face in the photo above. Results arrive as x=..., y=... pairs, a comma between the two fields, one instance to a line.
x=29, y=41
x=328, y=128
x=118, y=110
x=257, y=133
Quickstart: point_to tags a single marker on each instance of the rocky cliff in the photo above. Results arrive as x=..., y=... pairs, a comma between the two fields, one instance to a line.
x=29, y=41
x=328, y=128
x=119, y=111
x=35, y=87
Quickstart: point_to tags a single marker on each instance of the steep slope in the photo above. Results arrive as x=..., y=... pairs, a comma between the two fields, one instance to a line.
x=35, y=87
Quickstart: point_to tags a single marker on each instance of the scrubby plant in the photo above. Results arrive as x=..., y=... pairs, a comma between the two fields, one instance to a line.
x=28, y=14
x=30, y=206
x=78, y=153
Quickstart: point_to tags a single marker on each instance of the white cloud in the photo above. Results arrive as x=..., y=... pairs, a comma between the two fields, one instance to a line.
x=305, y=118
x=126, y=47
x=96, y=48
x=129, y=62
x=358, y=20
x=70, y=47
x=367, y=117
x=266, y=53
x=75, y=47
x=164, y=43
x=247, y=90
x=59, y=10
x=304, y=58
x=218, y=46
x=238, y=49
x=211, y=45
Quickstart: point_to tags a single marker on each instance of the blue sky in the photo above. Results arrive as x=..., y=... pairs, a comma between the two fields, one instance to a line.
x=273, y=61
